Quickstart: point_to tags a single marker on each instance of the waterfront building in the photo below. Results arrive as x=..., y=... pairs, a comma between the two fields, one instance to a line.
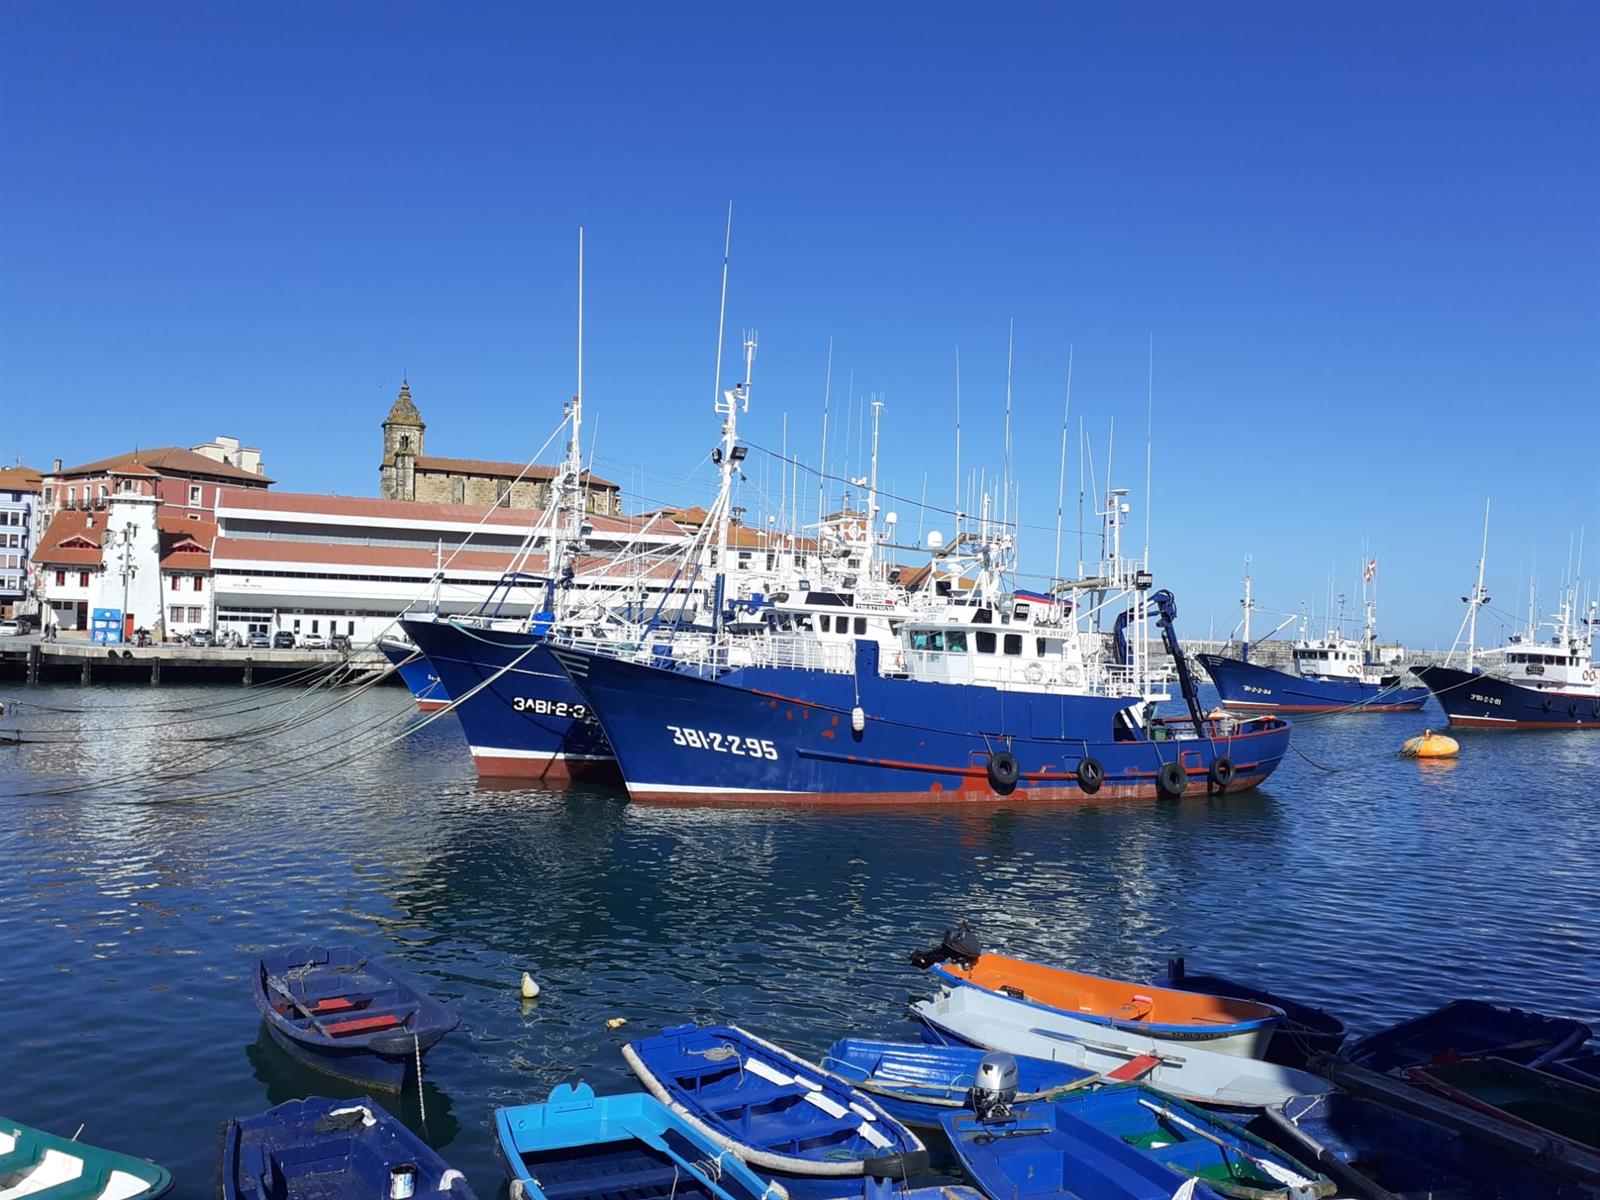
x=19, y=501
x=408, y=473
x=228, y=450
x=351, y=565
x=185, y=481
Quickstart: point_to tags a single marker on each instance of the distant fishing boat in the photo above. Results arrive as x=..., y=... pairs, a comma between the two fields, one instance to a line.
x=339, y=1010
x=919, y=1083
x=1305, y=1032
x=1333, y=673
x=416, y=672
x=51, y=1167
x=972, y=1017
x=1527, y=683
x=579, y=1146
x=1124, y=1142
x=1101, y=1007
x=1469, y=1029
x=320, y=1149
x=809, y=1129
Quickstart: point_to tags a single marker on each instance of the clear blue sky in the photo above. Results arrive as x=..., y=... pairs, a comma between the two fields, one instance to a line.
x=1364, y=237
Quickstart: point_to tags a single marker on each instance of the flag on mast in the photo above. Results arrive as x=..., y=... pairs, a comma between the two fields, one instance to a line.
x=1370, y=570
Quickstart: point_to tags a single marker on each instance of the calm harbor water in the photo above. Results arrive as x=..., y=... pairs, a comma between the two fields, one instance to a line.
x=145, y=867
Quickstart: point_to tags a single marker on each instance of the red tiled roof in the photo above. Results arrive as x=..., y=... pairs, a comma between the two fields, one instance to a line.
x=228, y=551
x=19, y=479
x=165, y=460
x=259, y=500
x=67, y=526
x=185, y=544
x=502, y=470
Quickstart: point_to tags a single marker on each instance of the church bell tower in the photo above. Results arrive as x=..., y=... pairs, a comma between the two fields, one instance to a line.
x=402, y=443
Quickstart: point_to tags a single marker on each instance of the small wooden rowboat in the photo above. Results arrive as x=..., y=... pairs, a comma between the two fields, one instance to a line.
x=339, y=1010
x=786, y=1117
x=919, y=1083
x=1531, y=1099
x=968, y=1016
x=46, y=1166
x=1125, y=1142
x=1218, y=1023
x=579, y=1146
x=1469, y=1029
x=320, y=1149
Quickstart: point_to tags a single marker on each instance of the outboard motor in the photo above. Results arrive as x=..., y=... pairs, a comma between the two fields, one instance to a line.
x=996, y=1088
x=960, y=945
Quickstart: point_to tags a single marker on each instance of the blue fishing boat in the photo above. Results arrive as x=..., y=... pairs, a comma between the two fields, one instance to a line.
x=1374, y=1149
x=1582, y=1066
x=1469, y=1029
x=321, y=1149
x=918, y=1083
x=1305, y=1032
x=520, y=713
x=1477, y=699
x=1331, y=674
x=339, y=1010
x=786, y=1117
x=1123, y=1142
x=416, y=673
x=51, y=1166
x=577, y=1146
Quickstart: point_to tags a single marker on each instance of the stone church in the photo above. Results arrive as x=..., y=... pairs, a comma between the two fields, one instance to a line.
x=409, y=474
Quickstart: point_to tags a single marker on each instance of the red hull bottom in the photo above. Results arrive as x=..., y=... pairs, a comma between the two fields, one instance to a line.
x=429, y=706
x=1355, y=710
x=547, y=770
x=1021, y=798
x=1489, y=723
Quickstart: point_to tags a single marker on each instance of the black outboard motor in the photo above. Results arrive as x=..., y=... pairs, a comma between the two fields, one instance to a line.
x=995, y=1089
x=960, y=945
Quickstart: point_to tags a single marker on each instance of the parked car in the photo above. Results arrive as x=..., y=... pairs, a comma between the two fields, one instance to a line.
x=11, y=628
x=202, y=638
x=260, y=641
x=283, y=640
x=340, y=642
x=313, y=641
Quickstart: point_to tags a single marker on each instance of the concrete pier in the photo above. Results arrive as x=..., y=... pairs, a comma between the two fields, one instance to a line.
x=30, y=660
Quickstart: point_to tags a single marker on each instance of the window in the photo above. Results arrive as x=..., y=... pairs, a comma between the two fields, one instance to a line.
x=172, y=581
x=72, y=496
x=103, y=491
x=48, y=492
x=956, y=641
x=1013, y=644
x=199, y=583
x=1038, y=647
x=502, y=493
x=194, y=493
x=313, y=627
x=197, y=615
x=350, y=628
x=405, y=443
x=861, y=625
x=985, y=641
x=83, y=579
x=826, y=622
x=61, y=579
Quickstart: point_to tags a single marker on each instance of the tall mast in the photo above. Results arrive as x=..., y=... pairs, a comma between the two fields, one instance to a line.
x=1249, y=607
x=872, y=488
x=1479, y=596
x=822, y=475
x=1061, y=478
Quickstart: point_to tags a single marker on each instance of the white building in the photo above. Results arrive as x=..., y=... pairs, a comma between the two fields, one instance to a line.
x=19, y=502
x=350, y=566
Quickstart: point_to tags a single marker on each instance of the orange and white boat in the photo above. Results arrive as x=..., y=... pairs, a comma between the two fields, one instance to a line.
x=1238, y=1027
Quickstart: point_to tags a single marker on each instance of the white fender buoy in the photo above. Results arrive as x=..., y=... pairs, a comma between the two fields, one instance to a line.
x=530, y=989
x=858, y=719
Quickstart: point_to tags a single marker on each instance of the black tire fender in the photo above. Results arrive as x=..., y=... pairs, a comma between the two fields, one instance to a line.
x=1172, y=780
x=1090, y=775
x=1003, y=771
x=1222, y=771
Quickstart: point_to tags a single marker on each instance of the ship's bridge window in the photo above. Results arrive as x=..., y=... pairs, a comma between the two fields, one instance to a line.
x=1013, y=644
x=827, y=623
x=861, y=624
x=985, y=642
x=927, y=639
x=956, y=641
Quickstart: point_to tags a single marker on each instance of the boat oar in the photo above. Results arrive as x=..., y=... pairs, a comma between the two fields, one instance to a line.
x=277, y=985
x=1265, y=1165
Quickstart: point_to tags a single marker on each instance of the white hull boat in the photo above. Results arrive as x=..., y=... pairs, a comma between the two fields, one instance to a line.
x=970, y=1016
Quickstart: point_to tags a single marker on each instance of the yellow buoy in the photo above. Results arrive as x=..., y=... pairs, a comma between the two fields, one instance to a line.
x=1431, y=745
x=616, y=1022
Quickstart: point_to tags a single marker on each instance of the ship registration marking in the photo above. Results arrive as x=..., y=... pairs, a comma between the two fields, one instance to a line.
x=549, y=708
x=1495, y=700
x=723, y=743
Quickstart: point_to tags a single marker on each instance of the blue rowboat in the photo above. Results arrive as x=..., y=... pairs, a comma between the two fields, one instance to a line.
x=417, y=673
x=51, y=1167
x=1469, y=1029
x=321, y=1149
x=577, y=1146
x=339, y=1010
x=1370, y=1148
x=1306, y=1031
x=785, y=1117
x=919, y=1083
x=1124, y=1142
